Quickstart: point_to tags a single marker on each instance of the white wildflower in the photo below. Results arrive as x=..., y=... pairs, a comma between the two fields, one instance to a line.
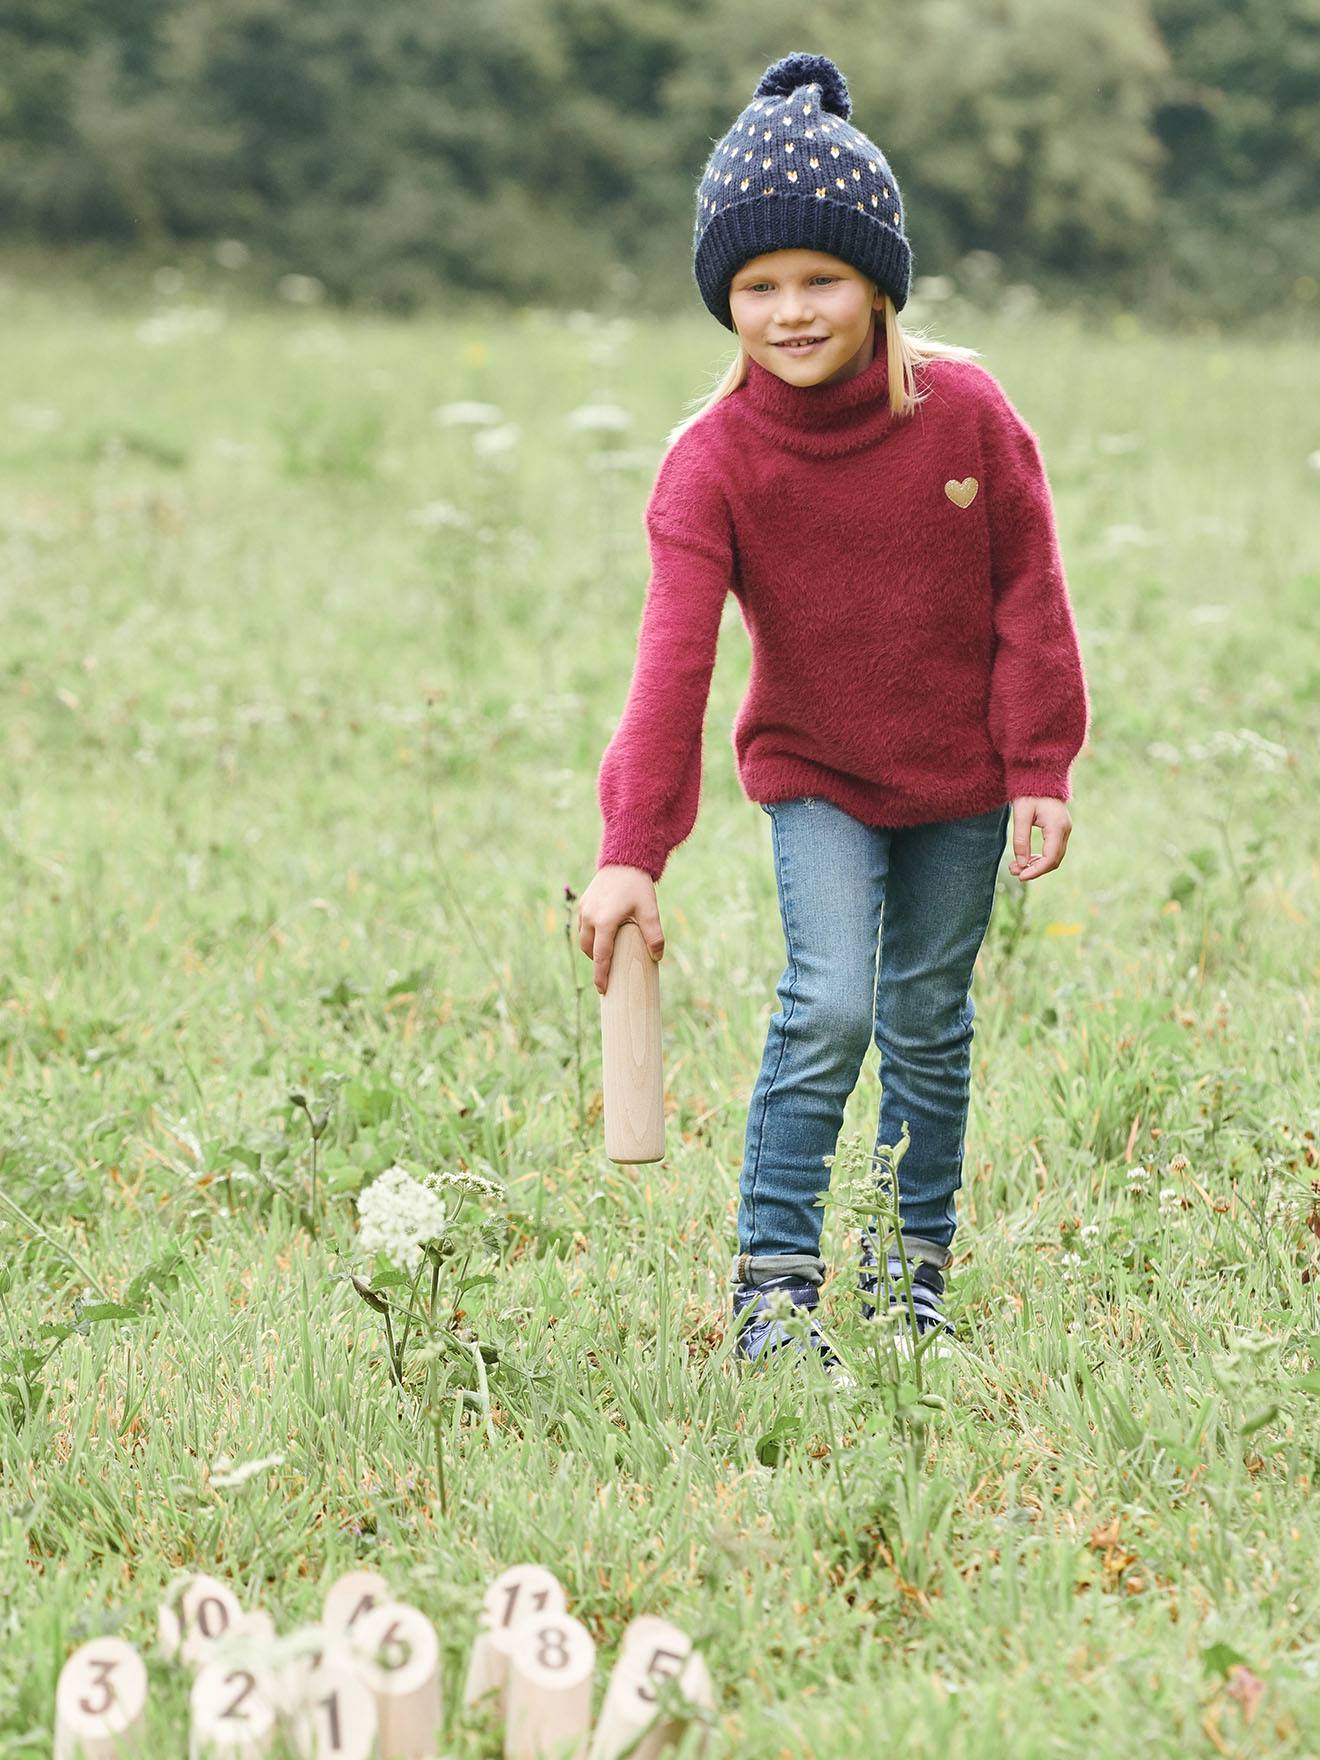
x=438, y=513
x=463, y=1180
x=1070, y=1258
x=603, y=417
x=489, y=441
x=616, y=459
x=300, y=290
x=179, y=324
x=397, y=1216
x=467, y=415
x=239, y=1475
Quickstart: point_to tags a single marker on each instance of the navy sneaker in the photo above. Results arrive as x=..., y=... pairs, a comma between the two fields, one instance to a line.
x=927, y=1296
x=760, y=1335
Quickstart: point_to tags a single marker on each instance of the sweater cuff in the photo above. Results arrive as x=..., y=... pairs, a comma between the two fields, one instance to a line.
x=631, y=845
x=1023, y=780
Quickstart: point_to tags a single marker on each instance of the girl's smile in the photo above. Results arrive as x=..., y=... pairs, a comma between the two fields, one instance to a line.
x=805, y=316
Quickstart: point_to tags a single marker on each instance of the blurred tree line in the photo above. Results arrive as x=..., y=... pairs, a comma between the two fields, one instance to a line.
x=1161, y=152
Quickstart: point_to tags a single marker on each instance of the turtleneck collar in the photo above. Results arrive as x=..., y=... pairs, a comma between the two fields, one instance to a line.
x=821, y=419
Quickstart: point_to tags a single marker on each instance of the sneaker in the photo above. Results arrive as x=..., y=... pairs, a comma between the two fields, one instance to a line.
x=927, y=1297
x=760, y=1335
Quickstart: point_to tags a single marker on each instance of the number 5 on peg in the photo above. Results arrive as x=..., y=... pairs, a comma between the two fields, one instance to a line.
x=631, y=1056
x=550, y=1673
x=653, y=1651
x=99, y=1702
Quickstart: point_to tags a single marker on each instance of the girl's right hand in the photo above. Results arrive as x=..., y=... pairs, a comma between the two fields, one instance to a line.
x=617, y=895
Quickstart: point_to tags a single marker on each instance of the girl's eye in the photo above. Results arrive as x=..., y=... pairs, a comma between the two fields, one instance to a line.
x=755, y=286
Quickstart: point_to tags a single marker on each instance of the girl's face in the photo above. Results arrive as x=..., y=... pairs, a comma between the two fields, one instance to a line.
x=786, y=296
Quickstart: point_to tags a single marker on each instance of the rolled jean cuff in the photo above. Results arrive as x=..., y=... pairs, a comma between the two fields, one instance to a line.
x=931, y=1251
x=810, y=1267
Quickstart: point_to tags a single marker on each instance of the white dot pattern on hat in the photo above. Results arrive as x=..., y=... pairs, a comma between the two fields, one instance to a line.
x=858, y=158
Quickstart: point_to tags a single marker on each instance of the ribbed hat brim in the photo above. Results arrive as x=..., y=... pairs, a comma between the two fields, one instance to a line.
x=748, y=229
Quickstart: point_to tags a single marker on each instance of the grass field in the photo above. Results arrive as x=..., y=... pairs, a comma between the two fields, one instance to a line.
x=304, y=689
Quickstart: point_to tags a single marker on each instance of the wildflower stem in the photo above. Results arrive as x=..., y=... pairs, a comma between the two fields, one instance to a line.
x=483, y=1389
x=396, y=1361
x=436, y=1422
x=453, y=1315
x=316, y=1221
x=410, y=1314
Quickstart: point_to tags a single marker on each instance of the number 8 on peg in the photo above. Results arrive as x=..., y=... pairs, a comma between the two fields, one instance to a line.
x=551, y=1665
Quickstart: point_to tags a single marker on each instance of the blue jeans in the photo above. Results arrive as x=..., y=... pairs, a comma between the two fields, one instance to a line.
x=882, y=928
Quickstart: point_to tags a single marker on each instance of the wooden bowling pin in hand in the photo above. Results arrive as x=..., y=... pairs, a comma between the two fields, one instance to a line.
x=632, y=1059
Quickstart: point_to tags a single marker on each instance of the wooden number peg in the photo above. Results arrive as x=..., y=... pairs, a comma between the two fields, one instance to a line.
x=336, y=1716
x=208, y=1610
x=523, y=1588
x=233, y=1717
x=652, y=1651
x=648, y=1628
x=168, y=1634
x=398, y=1656
x=551, y=1666
x=99, y=1702
x=352, y=1596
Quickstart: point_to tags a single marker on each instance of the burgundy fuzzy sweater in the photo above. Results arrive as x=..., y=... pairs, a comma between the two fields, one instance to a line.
x=914, y=654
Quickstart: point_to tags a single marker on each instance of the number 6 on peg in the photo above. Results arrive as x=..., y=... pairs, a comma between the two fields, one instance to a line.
x=99, y=1702
x=550, y=1672
x=398, y=1656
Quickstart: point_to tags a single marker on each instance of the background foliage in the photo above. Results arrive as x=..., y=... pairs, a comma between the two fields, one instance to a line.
x=1160, y=153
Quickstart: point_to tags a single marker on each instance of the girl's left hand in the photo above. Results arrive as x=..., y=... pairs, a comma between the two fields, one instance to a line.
x=1055, y=823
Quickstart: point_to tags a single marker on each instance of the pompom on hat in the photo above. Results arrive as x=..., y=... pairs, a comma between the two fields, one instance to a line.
x=793, y=173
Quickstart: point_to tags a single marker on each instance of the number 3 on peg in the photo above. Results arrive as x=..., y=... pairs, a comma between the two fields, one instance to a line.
x=550, y=1672
x=99, y=1703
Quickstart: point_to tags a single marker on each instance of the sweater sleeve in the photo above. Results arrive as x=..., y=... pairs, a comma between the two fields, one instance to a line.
x=1039, y=709
x=650, y=776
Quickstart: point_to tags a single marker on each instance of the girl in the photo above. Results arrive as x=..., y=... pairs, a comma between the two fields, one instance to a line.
x=881, y=513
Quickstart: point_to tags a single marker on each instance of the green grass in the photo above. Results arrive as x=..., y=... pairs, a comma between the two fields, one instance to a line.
x=293, y=783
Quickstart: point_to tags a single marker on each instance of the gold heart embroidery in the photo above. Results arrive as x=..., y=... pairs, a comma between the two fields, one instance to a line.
x=963, y=493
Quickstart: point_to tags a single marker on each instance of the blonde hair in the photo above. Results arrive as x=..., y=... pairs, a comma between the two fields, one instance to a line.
x=906, y=352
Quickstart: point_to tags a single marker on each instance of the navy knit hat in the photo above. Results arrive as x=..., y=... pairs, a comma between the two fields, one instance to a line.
x=792, y=173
